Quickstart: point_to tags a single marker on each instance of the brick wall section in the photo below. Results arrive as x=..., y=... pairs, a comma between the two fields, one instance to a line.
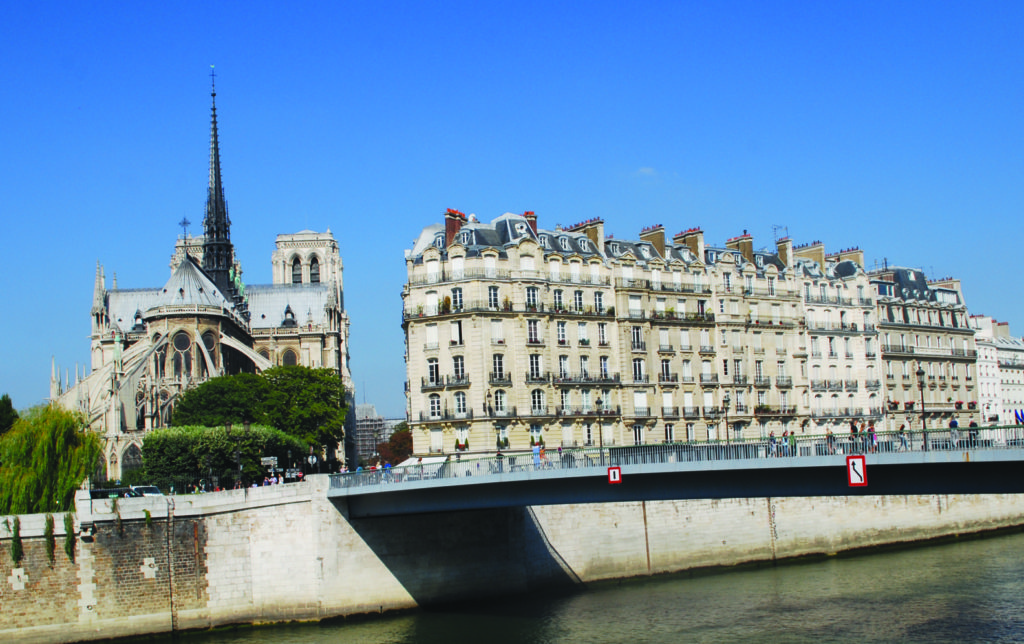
x=37, y=594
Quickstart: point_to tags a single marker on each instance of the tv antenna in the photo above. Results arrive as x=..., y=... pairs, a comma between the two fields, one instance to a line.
x=776, y=228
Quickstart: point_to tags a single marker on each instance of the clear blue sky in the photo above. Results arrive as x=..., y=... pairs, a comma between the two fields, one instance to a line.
x=893, y=126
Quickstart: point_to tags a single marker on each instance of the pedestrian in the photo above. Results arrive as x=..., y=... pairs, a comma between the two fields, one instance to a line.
x=873, y=437
x=972, y=433
x=792, y=443
x=772, y=446
x=954, y=433
x=903, y=438
x=830, y=440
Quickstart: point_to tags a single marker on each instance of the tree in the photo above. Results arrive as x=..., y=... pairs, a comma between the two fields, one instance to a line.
x=225, y=399
x=7, y=414
x=398, y=447
x=306, y=403
x=43, y=459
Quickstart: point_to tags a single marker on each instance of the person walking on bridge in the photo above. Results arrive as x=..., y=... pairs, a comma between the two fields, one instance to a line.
x=903, y=438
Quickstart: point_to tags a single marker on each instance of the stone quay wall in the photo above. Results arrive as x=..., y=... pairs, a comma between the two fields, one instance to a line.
x=286, y=552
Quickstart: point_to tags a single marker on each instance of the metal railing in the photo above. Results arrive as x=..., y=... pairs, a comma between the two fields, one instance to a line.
x=468, y=465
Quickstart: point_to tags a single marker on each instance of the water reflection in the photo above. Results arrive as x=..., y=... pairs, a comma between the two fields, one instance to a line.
x=968, y=591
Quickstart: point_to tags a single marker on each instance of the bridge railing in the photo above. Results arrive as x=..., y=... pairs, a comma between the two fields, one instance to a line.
x=598, y=458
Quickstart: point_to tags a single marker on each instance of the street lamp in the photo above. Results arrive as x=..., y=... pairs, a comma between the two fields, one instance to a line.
x=924, y=425
x=600, y=425
x=726, y=401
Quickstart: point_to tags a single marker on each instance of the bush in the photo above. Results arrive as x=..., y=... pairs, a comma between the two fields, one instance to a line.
x=168, y=454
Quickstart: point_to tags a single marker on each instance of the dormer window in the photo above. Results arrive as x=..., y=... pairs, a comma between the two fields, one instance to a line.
x=545, y=243
x=646, y=252
x=520, y=228
x=615, y=249
x=464, y=238
x=759, y=260
x=439, y=241
x=564, y=243
x=584, y=245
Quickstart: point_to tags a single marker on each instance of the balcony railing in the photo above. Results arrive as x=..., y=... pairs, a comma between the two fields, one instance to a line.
x=783, y=381
x=501, y=378
x=537, y=378
x=709, y=379
x=670, y=412
x=668, y=378
x=762, y=381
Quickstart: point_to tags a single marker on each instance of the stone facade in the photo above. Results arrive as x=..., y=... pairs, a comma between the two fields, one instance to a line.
x=517, y=335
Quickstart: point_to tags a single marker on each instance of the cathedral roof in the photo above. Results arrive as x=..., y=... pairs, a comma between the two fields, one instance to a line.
x=268, y=303
x=189, y=285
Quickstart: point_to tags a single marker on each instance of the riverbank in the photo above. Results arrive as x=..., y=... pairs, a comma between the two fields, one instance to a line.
x=287, y=553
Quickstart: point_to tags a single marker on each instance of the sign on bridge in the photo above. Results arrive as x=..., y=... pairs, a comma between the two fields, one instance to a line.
x=856, y=471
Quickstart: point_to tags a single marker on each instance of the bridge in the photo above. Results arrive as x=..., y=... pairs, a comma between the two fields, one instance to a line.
x=965, y=461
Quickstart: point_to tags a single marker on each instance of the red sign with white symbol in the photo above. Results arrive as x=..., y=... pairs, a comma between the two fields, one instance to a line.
x=856, y=471
x=614, y=475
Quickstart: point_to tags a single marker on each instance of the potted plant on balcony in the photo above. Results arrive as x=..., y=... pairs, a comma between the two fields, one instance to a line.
x=959, y=404
x=972, y=405
x=893, y=405
x=584, y=342
x=446, y=304
x=506, y=304
x=463, y=446
x=611, y=311
x=908, y=405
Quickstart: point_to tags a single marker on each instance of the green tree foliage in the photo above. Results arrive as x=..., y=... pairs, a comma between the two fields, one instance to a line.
x=306, y=403
x=7, y=414
x=168, y=454
x=399, y=446
x=43, y=459
x=227, y=399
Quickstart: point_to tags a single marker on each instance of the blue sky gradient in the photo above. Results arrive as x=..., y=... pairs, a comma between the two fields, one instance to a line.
x=895, y=127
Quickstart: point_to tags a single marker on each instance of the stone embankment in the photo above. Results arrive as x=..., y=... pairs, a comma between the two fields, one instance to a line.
x=162, y=564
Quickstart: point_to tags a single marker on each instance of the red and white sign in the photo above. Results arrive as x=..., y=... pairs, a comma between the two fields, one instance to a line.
x=856, y=471
x=614, y=475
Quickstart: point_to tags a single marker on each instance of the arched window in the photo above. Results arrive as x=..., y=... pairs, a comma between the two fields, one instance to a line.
x=131, y=459
x=182, y=360
x=314, y=271
x=289, y=359
x=435, y=406
x=499, y=401
x=460, y=403
x=296, y=271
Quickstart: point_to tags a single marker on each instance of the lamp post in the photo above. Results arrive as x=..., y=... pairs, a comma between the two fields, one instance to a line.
x=924, y=424
x=600, y=425
x=726, y=401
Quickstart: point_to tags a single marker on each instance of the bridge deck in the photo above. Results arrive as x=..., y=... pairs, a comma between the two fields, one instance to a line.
x=984, y=462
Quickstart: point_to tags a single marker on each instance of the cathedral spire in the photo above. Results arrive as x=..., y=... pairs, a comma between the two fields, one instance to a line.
x=218, y=253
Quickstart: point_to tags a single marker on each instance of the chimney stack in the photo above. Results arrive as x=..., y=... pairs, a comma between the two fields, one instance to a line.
x=655, y=235
x=784, y=247
x=593, y=229
x=854, y=254
x=744, y=244
x=531, y=218
x=814, y=251
x=693, y=239
x=453, y=221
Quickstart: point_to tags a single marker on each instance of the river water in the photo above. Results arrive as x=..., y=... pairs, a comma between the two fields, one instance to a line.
x=965, y=591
